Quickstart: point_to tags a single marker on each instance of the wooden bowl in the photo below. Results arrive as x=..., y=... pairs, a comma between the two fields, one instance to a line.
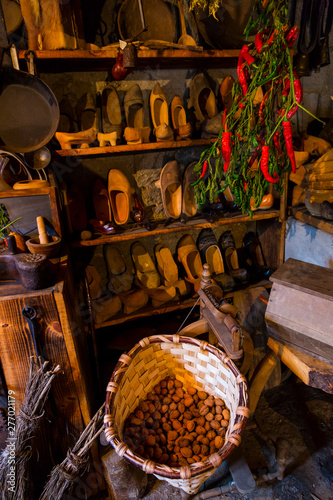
x=49, y=249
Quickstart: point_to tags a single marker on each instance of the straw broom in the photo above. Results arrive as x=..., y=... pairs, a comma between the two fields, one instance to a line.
x=27, y=424
x=64, y=475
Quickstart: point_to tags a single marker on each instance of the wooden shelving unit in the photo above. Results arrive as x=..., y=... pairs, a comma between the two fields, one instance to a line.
x=54, y=61
x=131, y=148
x=301, y=213
x=130, y=234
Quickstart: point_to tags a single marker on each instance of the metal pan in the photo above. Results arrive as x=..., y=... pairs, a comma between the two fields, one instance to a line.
x=29, y=111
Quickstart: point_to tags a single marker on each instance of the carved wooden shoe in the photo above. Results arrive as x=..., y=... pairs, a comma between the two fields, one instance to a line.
x=82, y=139
x=202, y=98
x=189, y=257
x=189, y=205
x=146, y=271
x=120, y=274
x=170, y=184
x=166, y=266
x=111, y=114
x=160, y=114
x=226, y=92
x=120, y=194
x=230, y=255
x=266, y=203
x=183, y=129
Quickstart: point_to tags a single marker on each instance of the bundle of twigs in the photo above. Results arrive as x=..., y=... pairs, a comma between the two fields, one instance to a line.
x=64, y=475
x=27, y=424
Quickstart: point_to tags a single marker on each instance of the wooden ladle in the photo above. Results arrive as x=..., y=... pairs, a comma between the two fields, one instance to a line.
x=185, y=39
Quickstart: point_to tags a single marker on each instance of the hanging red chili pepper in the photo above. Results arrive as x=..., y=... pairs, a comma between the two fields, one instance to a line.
x=244, y=55
x=203, y=173
x=263, y=104
x=292, y=35
x=277, y=142
x=259, y=40
x=288, y=137
x=226, y=149
x=264, y=166
x=298, y=95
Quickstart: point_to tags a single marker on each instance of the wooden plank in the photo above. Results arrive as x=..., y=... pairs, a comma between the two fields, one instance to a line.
x=147, y=311
x=302, y=214
x=288, y=336
x=78, y=60
x=305, y=313
x=130, y=234
x=310, y=370
x=315, y=280
x=130, y=148
x=70, y=332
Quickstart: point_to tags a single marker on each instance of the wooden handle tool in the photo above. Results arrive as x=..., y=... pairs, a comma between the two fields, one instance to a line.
x=43, y=237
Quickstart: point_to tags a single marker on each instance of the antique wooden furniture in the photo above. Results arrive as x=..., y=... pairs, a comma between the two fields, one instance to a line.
x=300, y=309
x=60, y=337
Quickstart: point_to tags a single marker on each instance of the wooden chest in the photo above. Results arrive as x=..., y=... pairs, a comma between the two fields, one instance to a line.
x=300, y=308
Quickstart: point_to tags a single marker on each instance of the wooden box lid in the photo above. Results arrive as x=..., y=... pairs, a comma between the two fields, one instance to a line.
x=300, y=309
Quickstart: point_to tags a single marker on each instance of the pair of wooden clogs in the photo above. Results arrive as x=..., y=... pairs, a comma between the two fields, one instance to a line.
x=182, y=129
x=149, y=277
x=177, y=191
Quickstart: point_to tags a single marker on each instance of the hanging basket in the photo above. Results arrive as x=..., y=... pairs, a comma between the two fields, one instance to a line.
x=195, y=363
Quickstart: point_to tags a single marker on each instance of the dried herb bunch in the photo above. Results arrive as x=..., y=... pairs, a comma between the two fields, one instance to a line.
x=254, y=146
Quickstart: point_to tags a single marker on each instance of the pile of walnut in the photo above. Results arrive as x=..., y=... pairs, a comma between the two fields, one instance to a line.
x=175, y=426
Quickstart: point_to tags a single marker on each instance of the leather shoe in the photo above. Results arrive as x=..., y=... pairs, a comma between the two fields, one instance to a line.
x=103, y=226
x=231, y=257
x=254, y=258
x=211, y=254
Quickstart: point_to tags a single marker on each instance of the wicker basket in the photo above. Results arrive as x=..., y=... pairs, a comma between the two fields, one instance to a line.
x=195, y=363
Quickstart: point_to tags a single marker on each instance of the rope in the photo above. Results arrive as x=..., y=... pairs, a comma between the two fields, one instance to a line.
x=183, y=323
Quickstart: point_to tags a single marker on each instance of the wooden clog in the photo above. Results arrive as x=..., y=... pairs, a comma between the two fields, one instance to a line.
x=137, y=135
x=133, y=300
x=120, y=195
x=101, y=201
x=120, y=275
x=171, y=189
x=182, y=128
x=160, y=114
x=226, y=92
x=189, y=205
x=111, y=114
x=146, y=271
x=66, y=120
x=105, y=307
x=166, y=266
x=189, y=257
x=202, y=98
x=266, y=203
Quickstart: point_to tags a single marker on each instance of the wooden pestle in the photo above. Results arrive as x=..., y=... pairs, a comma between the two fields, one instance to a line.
x=43, y=237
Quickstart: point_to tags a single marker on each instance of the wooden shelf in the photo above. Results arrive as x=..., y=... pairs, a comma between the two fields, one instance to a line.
x=169, y=307
x=147, y=311
x=130, y=234
x=301, y=213
x=54, y=61
x=131, y=148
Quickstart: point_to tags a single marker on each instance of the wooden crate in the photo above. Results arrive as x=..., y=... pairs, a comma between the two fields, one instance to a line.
x=300, y=308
